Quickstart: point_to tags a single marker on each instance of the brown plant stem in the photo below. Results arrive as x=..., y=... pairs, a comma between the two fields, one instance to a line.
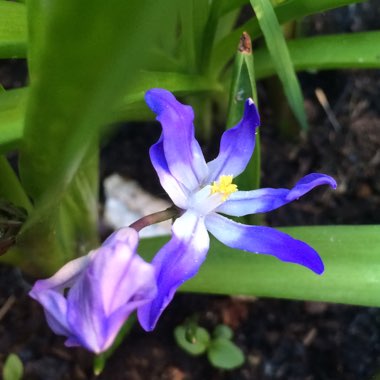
x=154, y=218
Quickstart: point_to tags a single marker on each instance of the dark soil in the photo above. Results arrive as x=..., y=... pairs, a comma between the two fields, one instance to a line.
x=286, y=340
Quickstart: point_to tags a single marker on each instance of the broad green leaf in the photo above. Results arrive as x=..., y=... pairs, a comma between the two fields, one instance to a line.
x=68, y=232
x=288, y=11
x=200, y=343
x=188, y=35
x=278, y=50
x=12, y=111
x=179, y=84
x=13, y=31
x=13, y=368
x=131, y=107
x=79, y=67
x=356, y=50
x=83, y=56
x=78, y=211
x=201, y=21
x=224, y=354
x=352, y=268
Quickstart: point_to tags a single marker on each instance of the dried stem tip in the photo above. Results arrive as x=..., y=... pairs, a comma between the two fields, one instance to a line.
x=245, y=45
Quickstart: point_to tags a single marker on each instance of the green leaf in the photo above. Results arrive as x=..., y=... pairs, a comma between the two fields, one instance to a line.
x=243, y=83
x=200, y=343
x=278, y=50
x=78, y=211
x=70, y=96
x=10, y=186
x=243, y=86
x=351, y=255
x=12, y=111
x=82, y=58
x=131, y=107
x=355, y=50
x=13, y=30
x=178, y=83
x=13, y=368
x=288, y=11
x=231, y=5
x=224, y=354
x=223, y=331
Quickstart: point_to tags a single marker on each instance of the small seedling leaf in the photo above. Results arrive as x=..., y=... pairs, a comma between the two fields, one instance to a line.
x=224, y=354
x=199, y=344
x=13, y=368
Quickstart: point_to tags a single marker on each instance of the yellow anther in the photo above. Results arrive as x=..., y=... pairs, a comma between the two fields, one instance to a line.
x=224, y=186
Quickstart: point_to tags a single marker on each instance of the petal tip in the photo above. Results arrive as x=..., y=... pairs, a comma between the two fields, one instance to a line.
x=319, y=268
x=154, y=98
x=251, y=112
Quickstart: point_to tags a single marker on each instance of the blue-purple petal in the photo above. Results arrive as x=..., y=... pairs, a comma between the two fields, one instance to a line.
x=55, y=308
x=104, y=287
x=263, y=200
x=116, y=282
x=182, y=152
x=265, y=240
x=176, y=191
x=236, y=146
x=176, y=262
x=49, y=293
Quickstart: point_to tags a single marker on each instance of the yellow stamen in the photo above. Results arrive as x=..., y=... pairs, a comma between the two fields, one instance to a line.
x=224, y=186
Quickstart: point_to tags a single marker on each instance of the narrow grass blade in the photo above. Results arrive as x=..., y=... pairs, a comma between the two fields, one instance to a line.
x=243, y=86
x=288, y=11
x=278, y=50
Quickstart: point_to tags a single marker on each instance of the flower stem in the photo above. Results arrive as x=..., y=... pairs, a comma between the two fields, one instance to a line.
x=154, y=218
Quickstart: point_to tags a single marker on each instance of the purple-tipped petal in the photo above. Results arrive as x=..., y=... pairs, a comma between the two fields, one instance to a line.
x=64, y=278
x=236, y=146
x=55, y=308
x=116, y=282
x=105, y=287
x=176, y=191
x=182, y=152
x=49, y=293
x=308, y=182
x=176, y=262
x=263, y=200
x=265, y=240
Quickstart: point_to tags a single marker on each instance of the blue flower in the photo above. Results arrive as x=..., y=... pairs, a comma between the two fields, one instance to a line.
x=203, y=191
x=102, y=288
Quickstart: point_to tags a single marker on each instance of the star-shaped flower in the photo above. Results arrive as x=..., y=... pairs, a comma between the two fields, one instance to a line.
x=203, y=191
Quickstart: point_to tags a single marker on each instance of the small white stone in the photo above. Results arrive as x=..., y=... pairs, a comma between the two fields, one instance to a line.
x=127, y=202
